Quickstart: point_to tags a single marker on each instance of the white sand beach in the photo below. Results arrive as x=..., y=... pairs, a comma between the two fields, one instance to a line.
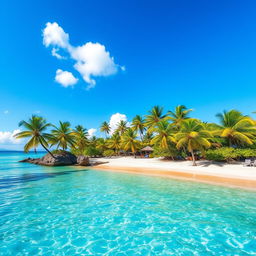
x=206, y=171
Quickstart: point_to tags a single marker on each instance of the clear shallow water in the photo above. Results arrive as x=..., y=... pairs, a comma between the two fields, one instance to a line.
x=68, y=211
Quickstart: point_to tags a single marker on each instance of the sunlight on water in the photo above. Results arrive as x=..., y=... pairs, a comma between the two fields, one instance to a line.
x=69, y=211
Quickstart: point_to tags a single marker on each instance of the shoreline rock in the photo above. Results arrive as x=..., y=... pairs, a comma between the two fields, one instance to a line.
x=61, y=159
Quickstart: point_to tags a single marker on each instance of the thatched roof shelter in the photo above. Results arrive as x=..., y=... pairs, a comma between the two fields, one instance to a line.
x=147, y=149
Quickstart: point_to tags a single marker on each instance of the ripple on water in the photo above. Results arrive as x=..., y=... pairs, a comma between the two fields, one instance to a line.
x=59, y=211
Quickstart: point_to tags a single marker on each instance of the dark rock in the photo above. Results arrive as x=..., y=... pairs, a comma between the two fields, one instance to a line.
x=64, y=158
x=31, y=160
x=83, y=160
x=60, y=159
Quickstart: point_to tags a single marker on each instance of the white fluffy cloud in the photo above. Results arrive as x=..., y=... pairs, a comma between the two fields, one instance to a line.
x=65, y=78
x=92, y=132
x=115, y=119
x=54, y=35
x=91, y=59
x=8, y=137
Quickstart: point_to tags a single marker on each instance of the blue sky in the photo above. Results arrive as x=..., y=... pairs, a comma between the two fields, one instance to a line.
x=198, y=53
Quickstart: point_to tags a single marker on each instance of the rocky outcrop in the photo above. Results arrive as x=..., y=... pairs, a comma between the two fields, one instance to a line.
x=60, y=159
x=31, y=160
x=83, y=161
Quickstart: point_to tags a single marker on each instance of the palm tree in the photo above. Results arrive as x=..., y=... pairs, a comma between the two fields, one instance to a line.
x=147, y=138
x=93, y=141
x=213, y=128
x=129, y=141
x=105, y=128
x=63, y=136
x=236, y=128
x=164, y=134
x=101, y=144
x=122, y=127
x=192, y=136
x=35, y=130
x=115, y=142
x=138, y=125
x=180, y=113
x=155, y=115
x=81, y=138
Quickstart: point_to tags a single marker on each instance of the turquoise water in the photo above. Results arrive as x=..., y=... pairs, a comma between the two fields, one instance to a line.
x=68, y=211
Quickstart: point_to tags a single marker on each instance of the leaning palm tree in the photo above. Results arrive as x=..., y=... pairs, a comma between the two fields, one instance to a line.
x=155, y=115
x=164, y=134
x=138, y=124
x=81, y=138
x=236, y=128
x=36, y=128
x=179, y=114
x=63, y=136
x=129, y=141
x=193, y=137
x=121, y=127
x=105, y=128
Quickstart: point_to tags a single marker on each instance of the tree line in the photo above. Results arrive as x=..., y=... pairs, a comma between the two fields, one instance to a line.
x=174, y=134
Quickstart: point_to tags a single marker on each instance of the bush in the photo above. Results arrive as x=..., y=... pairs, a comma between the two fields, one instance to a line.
x=108, y=153
x=228, y=154
x=91, y=151
x=170, y=152
x=246, y=152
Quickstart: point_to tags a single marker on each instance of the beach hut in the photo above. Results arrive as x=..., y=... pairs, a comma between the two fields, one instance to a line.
x=147, y=151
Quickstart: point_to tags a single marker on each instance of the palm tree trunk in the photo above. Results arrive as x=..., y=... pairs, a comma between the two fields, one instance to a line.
x=193, y=158
x=47, y=150
x=141, y=136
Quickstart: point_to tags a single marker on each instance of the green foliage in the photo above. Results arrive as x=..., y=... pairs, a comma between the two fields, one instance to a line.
x=105, y=128
x=91, y=151
x=129, y=141
x=221, y=154
x=35, y=130
x=169, y=152
x=173, y=134
x=237, y=129
x=108, y=153
x=59, y=151
x=246, y=152
x=179, y=114
x=228, y=154
x=63, y=136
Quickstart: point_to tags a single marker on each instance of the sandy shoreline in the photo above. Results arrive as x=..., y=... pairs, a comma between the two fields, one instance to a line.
x=232, y=175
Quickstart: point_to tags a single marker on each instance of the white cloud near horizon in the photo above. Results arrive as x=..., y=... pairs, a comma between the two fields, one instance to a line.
x=114, y=121
x=65, y=78
x=91, y=132
x=91, y=59
x=8, y=137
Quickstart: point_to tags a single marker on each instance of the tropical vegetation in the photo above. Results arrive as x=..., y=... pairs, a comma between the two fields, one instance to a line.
x=172, y=134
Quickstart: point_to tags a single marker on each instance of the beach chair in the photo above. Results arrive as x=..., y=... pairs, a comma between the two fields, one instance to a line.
x=247, y=162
